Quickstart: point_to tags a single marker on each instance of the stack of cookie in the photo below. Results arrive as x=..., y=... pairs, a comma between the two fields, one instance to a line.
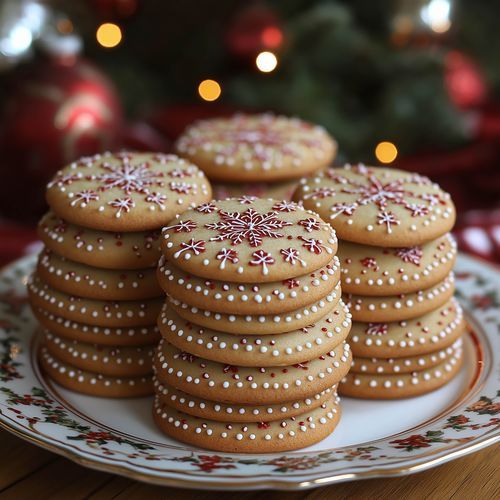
x=258, y=155
x=94, y=290
x=397, y=259
x=253, y=327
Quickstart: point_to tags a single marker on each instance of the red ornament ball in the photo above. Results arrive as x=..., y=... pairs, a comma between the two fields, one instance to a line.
x=57, y=109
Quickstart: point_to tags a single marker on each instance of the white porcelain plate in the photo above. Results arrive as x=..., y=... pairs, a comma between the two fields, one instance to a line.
x=374, y=438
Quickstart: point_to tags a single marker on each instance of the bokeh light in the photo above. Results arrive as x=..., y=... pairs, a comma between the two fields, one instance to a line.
x=109, y=35
x=386, y=152
x=272, y=37
x=266, y=62
x=209, y=90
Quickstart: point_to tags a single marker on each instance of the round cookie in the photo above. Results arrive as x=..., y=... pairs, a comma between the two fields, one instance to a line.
x=96, y=283
x=261, y=437
x=249, y=240
x=107, y=360
x=261, y=147
x=249, y=385
x=223, y=412
x=404, y=365
x=93, y=384
x=103, y=335
x=378, y=205
x=126, y=191
x=110, y=250
x=244, y=298
x=402, y=385
x=387, y=271
x=264, y=324
x=431, y=332
x=256, y=350
x=400, y=307
x=125, y=313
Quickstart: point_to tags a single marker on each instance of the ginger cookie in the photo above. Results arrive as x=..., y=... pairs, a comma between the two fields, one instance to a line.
x=370, y=270
x=93, y=384
x=96, y=283
x=260, y=437
x=124, y=313
x=225, y=412
x=110, y=250
x=296, y=346
x=249, y=385
x=404, y=365
x=253, y=298
x=102, y=335
x=126, y=191
x=431, y=332
x=400, y=307
x=248, y=240
x=261, y=147
x=402, y=385
x=242, y=324
x=378, y=205
x=107, y=360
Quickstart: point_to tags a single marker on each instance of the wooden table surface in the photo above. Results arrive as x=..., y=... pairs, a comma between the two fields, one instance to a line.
x=27, y=471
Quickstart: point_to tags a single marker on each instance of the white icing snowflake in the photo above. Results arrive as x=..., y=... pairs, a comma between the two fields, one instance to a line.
x=182, y=226
x=285, y=206
x=387, y=218
x=129, y=178
x=191, y=247
x=122, y=204
x=84, y=197
x=182, y=187
x=246, y=200
x=206, y=208
x=343, y=208
x=313, y=245
x=249, y=225
x=227, y=255
x=157, y=199
x=310, y=224
x=291, y=255
x=411, y=255
x=322, y=192
x=262, y=258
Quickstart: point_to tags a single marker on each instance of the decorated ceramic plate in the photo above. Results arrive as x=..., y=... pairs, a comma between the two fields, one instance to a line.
x=374, y=438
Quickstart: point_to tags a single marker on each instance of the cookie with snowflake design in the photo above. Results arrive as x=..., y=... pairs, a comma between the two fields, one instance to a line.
x=256, y=437
x=422, y=335
x=402, y=385
x=404, y=365
x=250, y=385
x=91, y=383
x=296, y=346
x=110, y=250
x=96, y=283
x=257, y=148
x=379, y=206
x=248, y=298
x=108, y=360
x=124, y=313
x=240, y=324
x=227, y=412
x=102, y=335
x=368, y=270
x=249, y=240
x=126, y=191
x=402, y=306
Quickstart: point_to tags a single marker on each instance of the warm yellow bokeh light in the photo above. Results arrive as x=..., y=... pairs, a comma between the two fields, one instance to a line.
x=109, y=35
x=266, y=62
x=386, y=152
x=209, y=90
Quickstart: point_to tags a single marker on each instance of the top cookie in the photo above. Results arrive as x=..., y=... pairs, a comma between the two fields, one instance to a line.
x=379, y=206
x=126, y=191
x=249, y=240
x=257, y=147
